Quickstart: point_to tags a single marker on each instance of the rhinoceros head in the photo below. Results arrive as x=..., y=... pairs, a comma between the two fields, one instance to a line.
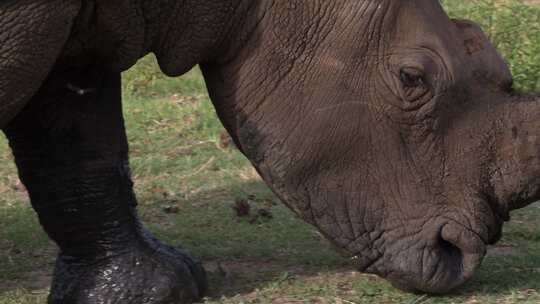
x=390, y=127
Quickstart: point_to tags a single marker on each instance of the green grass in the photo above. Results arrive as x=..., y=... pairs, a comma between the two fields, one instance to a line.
x=179, y=160
x=514, y=28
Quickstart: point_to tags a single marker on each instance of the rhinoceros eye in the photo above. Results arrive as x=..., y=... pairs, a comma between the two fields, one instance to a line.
x=413, y=84
x=411, y=78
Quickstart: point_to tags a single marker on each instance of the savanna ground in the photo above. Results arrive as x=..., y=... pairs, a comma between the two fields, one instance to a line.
x=189, y=177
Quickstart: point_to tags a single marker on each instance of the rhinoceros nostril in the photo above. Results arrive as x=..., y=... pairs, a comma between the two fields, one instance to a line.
x=462, y=249
x=447, y=257
x=450, y=252
x=451, y=256
x=457, y=252
x=461, y=237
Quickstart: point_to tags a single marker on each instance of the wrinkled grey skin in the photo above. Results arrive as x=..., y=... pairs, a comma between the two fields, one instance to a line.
x=390, y=127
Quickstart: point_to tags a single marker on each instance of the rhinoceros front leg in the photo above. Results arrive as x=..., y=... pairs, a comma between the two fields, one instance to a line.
x=71, y=150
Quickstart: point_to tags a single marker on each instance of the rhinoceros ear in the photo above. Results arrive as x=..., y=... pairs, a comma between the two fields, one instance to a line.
x=32, y=36
x=487, y=62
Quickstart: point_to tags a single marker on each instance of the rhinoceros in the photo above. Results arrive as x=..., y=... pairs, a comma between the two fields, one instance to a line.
x=390, y=127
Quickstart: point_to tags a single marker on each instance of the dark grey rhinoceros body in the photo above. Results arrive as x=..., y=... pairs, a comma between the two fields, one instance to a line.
x=390, y=127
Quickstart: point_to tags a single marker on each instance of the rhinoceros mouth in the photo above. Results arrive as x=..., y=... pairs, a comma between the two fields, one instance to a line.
x=447, y=259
